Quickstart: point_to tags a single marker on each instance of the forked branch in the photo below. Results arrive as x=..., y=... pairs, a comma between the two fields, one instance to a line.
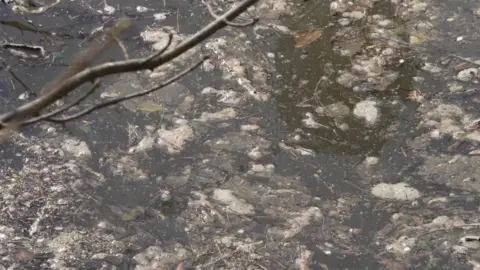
x=79, y=73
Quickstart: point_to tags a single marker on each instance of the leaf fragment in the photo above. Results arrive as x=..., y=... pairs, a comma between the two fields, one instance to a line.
x=307, y=37
x=474, y=152
x=130, y=215
x=417, y=38
x=180, y=267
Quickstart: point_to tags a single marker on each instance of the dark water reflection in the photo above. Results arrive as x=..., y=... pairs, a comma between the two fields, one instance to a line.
x=302, y=70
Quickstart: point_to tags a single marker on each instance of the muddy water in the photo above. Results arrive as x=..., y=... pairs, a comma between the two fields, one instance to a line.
x=300, y=70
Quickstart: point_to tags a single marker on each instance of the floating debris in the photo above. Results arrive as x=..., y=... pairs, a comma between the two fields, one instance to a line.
x=310, y=122
x=143, y=9
x=233, y=204
x=306, y=38
x=400, y=191
x=367, y=110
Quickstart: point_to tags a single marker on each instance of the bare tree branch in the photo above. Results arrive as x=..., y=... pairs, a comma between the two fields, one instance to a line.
x=95, y=85
x=80, y=74
x=162, y=50
x=130, y=96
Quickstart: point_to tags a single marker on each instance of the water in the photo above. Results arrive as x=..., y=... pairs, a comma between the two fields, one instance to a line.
x=297, y=80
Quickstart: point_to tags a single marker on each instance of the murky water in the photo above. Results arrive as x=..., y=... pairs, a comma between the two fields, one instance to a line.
x=304, y=80
x=308, y=76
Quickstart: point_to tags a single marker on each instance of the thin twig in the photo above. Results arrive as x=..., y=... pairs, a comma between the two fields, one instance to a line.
x=178, y=20
x=17, y=79
x=470, y=92
x=120, y=44
x=214, y=15
x=430, y=231
x=95, y=30
x=13, y=84
x=220, y=258
x=95, y=85
x=162, y=50
x=352, y=184
x=130, y=96
x=464, y=59
x=326, y=185
x=9, y=69
x=64, y=87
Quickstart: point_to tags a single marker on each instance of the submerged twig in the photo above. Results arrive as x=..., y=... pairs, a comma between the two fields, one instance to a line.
x=34, y=48
x=464, y=59
x=9, y=69
x=122, y=47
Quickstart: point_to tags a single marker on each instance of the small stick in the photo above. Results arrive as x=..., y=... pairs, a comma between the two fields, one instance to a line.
x=178, y=23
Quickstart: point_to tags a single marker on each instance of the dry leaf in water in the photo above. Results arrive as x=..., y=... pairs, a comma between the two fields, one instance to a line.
x=130, y=215
x=305, y=38
x=474, y=152
x=179, y=267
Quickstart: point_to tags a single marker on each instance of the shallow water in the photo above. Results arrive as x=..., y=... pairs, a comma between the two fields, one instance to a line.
x=338, y=153
x=318, y=60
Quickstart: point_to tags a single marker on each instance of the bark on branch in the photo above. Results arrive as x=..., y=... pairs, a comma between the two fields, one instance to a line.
x=80, y=74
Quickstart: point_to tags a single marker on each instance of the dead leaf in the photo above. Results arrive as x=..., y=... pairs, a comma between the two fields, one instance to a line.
x=417, y=38
x=179, y=267
x=474, y=152
x=130, y=215
x=305, y=38
x=85, y=127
